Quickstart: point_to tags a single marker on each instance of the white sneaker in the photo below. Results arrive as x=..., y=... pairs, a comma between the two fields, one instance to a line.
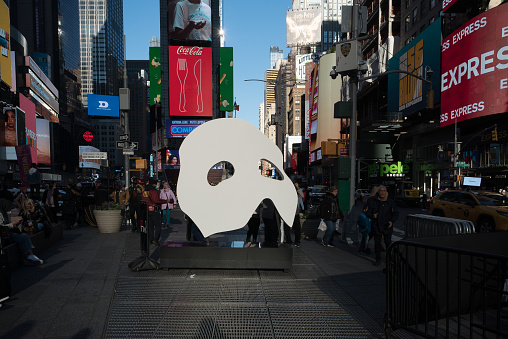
x=34, y=258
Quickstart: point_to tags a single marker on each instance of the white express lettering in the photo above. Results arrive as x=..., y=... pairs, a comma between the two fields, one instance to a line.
x=469, y=68
x=504, y=84
x=504, y=32
x=474, y=26
x=471, y=108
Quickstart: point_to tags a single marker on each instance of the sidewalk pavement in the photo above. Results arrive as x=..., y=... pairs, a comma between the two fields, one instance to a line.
x=84, y=289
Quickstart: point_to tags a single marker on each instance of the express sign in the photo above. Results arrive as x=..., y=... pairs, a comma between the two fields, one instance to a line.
x=474, y=79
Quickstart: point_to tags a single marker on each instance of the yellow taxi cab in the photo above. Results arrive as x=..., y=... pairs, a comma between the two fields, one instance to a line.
x=487, y=210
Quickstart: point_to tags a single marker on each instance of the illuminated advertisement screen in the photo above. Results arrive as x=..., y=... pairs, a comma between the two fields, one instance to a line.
x=226, y=78
x=474, y=81
x=5, y=44
x=30, y=125
x=155, y=75
x=43, y=142
x=303, y=26
x=103, y=105
x=189, y=21
x=447, y=4
x=14, y=127
x=181, y=128
x=190, y=86
x=172, y=157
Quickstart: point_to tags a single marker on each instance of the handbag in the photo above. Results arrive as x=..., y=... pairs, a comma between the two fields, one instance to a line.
x=322, y=226
x=171, y=201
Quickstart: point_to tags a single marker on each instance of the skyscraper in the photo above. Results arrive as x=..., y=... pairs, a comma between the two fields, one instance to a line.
x=275, y=54
x=101, y=47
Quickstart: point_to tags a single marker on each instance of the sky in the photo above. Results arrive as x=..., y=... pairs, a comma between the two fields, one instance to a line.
x=251, y=27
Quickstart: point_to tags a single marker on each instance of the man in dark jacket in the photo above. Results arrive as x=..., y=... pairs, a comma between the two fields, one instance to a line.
x=383, y=213
x=134, y=193
x=330, y=212
x=154, y=202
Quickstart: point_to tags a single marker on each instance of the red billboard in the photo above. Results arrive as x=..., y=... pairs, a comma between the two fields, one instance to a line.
x=474, y=78
x=447, y=4
x=30, y=125
x=190, y=85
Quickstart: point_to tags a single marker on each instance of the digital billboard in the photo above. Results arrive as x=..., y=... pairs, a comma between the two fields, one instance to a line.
x=5, y=44
x=447, y=4
x=30, y=125
x=303, y=26
x=226, y=79
x=474, y=81
x=190, y=88
x=172, y=157
x=181, y=128
x=43, y=142
x=189, y=21
x=155, y=75
x=103, y=106
x=406, y=93
x=14, y=127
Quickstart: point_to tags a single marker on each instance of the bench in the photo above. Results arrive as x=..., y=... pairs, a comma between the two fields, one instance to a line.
x=39, y=241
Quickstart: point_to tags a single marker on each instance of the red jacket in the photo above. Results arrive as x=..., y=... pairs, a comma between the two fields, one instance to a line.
x=152, y=198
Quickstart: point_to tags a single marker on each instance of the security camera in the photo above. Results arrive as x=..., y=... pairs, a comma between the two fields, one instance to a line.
x=362, y=67
x=429, y=72
x=334, y=73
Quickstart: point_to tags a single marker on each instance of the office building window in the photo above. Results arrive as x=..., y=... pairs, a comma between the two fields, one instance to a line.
x=408, y=23
x=423, y=8
x=432, y=3
x=408, y=3
x=415, y=14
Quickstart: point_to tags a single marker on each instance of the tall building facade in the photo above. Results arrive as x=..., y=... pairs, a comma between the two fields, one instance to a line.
x=138, y=77
x=275, y=54
x=270, y=103
x=101, y=47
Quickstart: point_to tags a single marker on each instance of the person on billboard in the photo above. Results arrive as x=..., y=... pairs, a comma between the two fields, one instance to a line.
x=192, y=21
x=10, y=128
x=173, y=160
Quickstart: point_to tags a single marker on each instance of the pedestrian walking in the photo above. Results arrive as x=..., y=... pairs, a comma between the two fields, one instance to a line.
x=134, y=195
x=383, y=212
x=364, y=227
x=35, y=181
x=69, y=205
x=50, y=200
x=151, y=196
x=253, y=224
x=167, y=194
x=270, y=216
x=330, y=212
x=300, y=195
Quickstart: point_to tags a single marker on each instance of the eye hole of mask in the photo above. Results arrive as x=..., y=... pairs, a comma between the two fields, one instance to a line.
x=219, y=172
x=269, y=170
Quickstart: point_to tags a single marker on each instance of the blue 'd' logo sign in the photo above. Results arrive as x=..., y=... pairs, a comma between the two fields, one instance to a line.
x=103, y=105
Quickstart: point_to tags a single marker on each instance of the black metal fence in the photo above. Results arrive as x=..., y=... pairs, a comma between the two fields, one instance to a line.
x=449, y=287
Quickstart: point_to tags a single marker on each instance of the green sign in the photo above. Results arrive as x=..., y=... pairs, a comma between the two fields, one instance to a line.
x=155, y=75
x=226, y=79
x=398, y=169
x=462, y=164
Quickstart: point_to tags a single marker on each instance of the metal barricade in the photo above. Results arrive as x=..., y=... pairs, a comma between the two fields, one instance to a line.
x=448, y=287
x=424, y=225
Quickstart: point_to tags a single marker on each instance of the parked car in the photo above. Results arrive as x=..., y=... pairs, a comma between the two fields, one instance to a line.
x=362, y=194
x=487, y=210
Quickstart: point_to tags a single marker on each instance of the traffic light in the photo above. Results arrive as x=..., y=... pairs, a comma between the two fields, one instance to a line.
x=268, y=173
x=494, y=135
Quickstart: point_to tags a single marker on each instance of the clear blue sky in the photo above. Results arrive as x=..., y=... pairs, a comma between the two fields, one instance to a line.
x=251, y=28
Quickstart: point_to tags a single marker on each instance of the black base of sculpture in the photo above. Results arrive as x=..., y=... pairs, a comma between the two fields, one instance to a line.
x=225, y=255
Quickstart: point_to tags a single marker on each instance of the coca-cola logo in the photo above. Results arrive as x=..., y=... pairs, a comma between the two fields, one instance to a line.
x=189, y=50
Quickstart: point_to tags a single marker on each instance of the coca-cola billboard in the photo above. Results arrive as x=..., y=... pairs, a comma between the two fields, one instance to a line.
x=190, y=81
x=474, y=78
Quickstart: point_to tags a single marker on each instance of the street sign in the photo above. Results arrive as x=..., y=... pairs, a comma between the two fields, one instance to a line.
x=123, y=137
x=94, y=155
x=462, y=164
x=122, y=144
x=128, y=152
x=132, y=145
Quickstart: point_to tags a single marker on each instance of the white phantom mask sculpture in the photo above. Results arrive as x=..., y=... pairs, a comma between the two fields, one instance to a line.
x=229, y=205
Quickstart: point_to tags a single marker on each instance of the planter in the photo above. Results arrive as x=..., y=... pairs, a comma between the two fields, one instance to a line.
x=108, y=221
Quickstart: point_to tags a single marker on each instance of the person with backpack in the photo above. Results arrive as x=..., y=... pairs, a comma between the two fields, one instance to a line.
x=134, y=195
x=364, y=227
